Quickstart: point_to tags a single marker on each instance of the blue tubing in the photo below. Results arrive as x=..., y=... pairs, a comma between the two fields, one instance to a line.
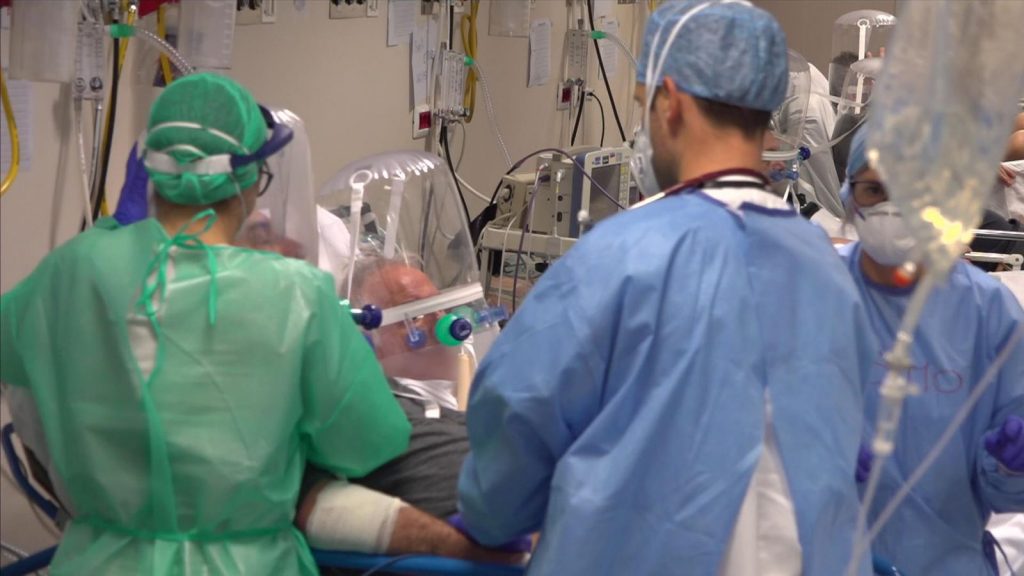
x=413, y=564
x=18, y=471
x=33, y=563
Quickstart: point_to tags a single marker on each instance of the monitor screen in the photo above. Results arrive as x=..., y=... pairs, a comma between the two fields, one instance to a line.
x=600, y=205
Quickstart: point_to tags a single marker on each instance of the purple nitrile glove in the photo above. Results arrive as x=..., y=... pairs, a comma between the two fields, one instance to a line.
x=1006, y=444
x=133, y=205
x=864, y=459
x=520, y=545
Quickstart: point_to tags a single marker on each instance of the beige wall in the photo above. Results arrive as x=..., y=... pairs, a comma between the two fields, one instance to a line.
x=808, y=23
x=353, y=92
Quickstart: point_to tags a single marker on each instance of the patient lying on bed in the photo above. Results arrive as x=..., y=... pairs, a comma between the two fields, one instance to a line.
x=400, y=507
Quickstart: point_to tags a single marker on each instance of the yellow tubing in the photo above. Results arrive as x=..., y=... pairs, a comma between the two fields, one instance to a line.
x=12, y=129
x=122, y=54
x=468, y=30
x=161, y=29
x=130, y=20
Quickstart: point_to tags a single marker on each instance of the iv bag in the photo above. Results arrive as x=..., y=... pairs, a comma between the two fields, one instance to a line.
x=941, y=115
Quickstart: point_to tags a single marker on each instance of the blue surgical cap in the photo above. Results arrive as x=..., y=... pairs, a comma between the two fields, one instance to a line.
x=856, y=161
x=732, y=53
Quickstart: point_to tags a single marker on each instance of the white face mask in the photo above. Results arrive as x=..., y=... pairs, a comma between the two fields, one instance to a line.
x=884, y=234
x=642, y=165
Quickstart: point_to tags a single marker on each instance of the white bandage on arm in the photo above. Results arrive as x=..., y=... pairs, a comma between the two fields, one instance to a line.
x=352, y=518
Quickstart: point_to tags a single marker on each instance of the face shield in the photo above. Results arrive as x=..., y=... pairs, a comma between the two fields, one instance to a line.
x=855, y=36
x=858, y=86
x=414, y=260
x=284, y=218
x=783, y=141
x=852, y=109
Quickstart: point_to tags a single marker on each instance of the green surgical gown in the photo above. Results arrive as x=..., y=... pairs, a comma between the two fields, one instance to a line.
x=205, y=481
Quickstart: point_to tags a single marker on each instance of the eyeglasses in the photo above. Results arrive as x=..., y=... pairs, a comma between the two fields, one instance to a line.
x=868, y=192
x=266, y=177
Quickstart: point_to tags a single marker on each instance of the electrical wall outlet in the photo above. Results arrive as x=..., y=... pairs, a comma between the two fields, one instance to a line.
x=268, y=11
x=252, y=12
x=249, y=15
x=341, y=9
x=422, y=121
x=563, y=96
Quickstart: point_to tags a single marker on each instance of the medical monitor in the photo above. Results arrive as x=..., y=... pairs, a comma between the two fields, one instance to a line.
x=609, y=168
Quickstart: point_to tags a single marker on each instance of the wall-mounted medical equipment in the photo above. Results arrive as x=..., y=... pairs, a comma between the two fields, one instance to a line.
x=559, y=199
x=542, y=213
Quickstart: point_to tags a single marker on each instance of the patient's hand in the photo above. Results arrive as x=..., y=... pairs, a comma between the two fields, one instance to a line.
x=1006, y=176
x=416, y=532
x=517, y=546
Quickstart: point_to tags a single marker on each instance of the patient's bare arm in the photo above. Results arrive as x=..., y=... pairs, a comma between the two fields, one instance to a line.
x=416, y=532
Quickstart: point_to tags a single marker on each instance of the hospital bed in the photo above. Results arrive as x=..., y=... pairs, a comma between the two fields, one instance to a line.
x=1014, y=261
x=408, y=564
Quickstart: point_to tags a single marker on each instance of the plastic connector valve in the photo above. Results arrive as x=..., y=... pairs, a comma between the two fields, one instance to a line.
x=453, y=329
x=369, y=317
x=805, y=153
x=415, y=338
x=492, y=315
x=122, y=30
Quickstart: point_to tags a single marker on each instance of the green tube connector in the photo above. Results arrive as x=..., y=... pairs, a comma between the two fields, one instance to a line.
x=443, y=330
x=469, y=61
x=598, y=35
x=122, y=31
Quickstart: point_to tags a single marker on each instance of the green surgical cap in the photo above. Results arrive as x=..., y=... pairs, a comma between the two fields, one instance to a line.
x=198, y=116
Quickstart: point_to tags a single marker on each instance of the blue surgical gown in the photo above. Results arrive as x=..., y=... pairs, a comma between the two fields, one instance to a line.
x=621, y=411
x=938, y=529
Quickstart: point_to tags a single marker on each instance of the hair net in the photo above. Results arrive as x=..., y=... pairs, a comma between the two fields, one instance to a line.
x=857, y=161
x=729, y=52
x=198, y=116
x=858, y=157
